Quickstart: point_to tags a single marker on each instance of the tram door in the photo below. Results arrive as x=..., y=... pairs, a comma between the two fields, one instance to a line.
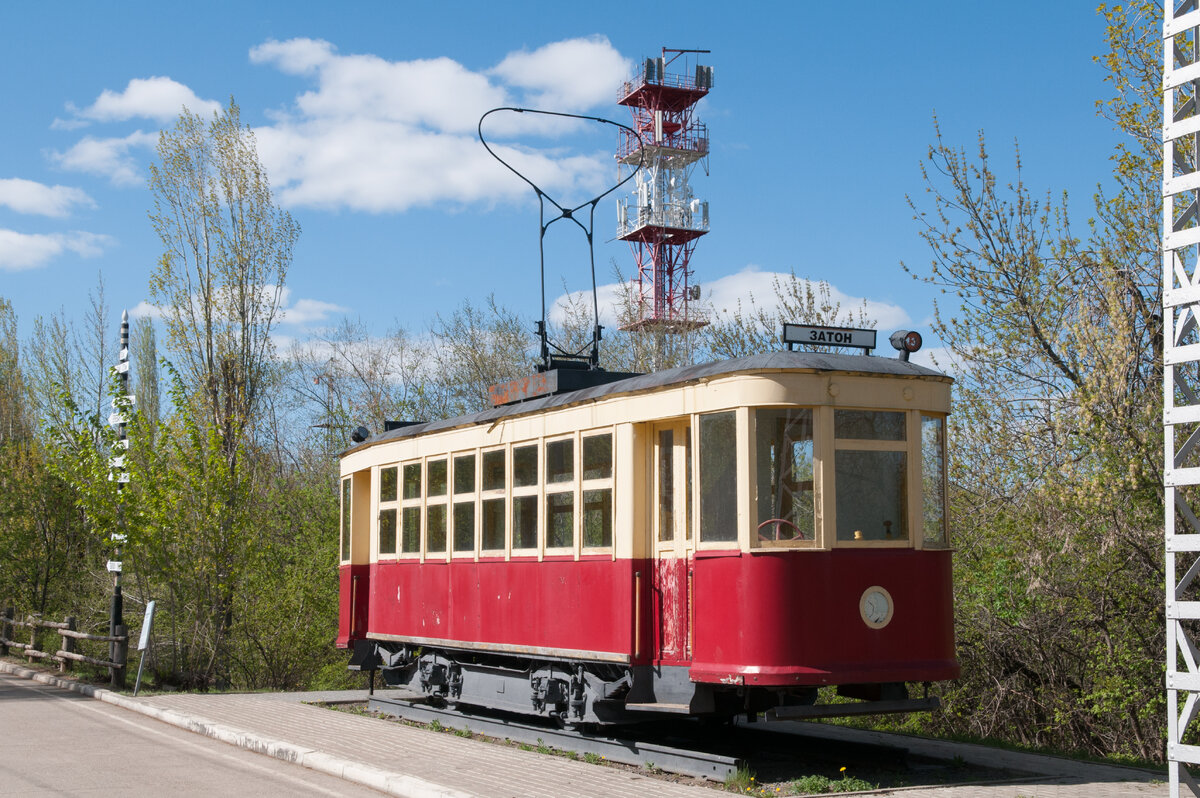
x=672, y=541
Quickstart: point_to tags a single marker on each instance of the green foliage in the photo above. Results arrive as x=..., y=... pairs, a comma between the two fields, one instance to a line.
x=1056, y=437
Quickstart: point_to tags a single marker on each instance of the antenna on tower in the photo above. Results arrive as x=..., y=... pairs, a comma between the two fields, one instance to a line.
x=561, y=358
x=662, y=219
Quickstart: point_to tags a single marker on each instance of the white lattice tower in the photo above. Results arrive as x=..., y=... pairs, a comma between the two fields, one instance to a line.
x=1181, y=386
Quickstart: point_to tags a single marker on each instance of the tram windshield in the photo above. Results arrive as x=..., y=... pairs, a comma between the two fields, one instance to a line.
x=784, y=453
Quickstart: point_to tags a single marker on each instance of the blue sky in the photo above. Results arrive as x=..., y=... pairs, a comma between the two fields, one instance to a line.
x=819, y=118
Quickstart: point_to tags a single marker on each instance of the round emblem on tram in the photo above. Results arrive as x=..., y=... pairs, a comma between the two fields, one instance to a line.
x=875, y=607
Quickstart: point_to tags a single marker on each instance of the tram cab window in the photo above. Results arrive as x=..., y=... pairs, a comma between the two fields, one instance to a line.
x=410, y=508
x=933, y=478
x=388, y=477
x=870, y=475
x=718, y=477
x=784, y=466
x=387, y=530
x=387, y=484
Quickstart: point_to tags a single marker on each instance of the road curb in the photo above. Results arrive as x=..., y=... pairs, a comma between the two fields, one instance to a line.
x=389, y=782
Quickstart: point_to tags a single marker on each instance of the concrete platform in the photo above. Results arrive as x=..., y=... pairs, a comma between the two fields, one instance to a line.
x=407, y=761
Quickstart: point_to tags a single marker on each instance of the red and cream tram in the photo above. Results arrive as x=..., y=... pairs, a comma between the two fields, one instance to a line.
x=715, y=539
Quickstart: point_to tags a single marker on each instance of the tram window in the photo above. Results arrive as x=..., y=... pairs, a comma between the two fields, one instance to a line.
x=410, y=530
x=560, y=520
x=718, y=477
x=525, y=467
x=597, y=457
x=597, y=518
x=872, y=494
x=435, y=528
x=345, y=519
x=387, y=484
x=525, y=522
x=783, y=440
x=464, y=474
x=666, y=484
x=464, y=527
x=387, y=529
x=437, y=478
x=493, y=470
x=412, y=481
x=560, y=461
x=493, y=524
x=868, y=425
x=933, y=478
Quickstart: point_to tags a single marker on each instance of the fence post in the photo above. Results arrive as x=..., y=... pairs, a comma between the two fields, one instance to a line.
x=68, y=645
x=35, y=631
x=6, y=630
x=120, y=652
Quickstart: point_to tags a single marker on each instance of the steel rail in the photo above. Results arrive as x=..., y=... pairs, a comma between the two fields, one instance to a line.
x=626, y=751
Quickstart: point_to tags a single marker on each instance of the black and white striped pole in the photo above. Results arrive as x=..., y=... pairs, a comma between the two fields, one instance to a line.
x=118, y=473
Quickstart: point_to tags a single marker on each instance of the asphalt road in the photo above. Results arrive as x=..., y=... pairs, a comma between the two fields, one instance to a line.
x=55, y=742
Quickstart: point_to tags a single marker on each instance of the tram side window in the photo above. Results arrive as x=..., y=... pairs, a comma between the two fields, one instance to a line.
x=597, y=491
x=492, y=502
x=435, y=510
x=560, y=494
x=387, y=531
x=870, y=475
x=410, y=509
x=464, y=504
x=718, y=477
x=525, y=497
x=784, y=467
x=410, y=530
x=345, y=525
x=387, y=515
x=933, y=477
x=387, y=484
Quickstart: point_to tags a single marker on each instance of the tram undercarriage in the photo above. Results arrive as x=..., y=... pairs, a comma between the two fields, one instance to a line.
x=574, y=693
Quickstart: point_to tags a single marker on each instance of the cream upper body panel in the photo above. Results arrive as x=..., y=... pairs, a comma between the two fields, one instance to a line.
x=780, y=378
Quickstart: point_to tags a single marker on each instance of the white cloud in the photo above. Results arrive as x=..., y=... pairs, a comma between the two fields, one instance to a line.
x=159, y=98
x=379, y=135
x=307, y=311
x=571, y=75
x=108, y=157
x=21, y=251
x=144, y=310
x=26, y=196
x=722, y=294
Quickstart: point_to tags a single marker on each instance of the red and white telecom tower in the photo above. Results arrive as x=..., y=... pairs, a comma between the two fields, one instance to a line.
x=662, y=220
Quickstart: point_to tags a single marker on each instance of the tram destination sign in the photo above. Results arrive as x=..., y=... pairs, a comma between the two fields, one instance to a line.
x=828, y=336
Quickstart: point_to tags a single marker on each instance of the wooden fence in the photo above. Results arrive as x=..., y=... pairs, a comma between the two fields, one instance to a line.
x=41, y=631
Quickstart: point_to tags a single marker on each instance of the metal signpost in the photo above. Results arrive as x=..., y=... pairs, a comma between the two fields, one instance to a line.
x=1181, y=382
x=118, y=420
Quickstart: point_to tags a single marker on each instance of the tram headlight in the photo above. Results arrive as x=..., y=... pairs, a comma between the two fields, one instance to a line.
x=906, y=342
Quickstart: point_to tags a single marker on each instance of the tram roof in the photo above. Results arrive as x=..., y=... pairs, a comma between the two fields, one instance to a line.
x=766, y=362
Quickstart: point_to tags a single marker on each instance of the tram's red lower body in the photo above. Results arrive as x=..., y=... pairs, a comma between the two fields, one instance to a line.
x=767, y=618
